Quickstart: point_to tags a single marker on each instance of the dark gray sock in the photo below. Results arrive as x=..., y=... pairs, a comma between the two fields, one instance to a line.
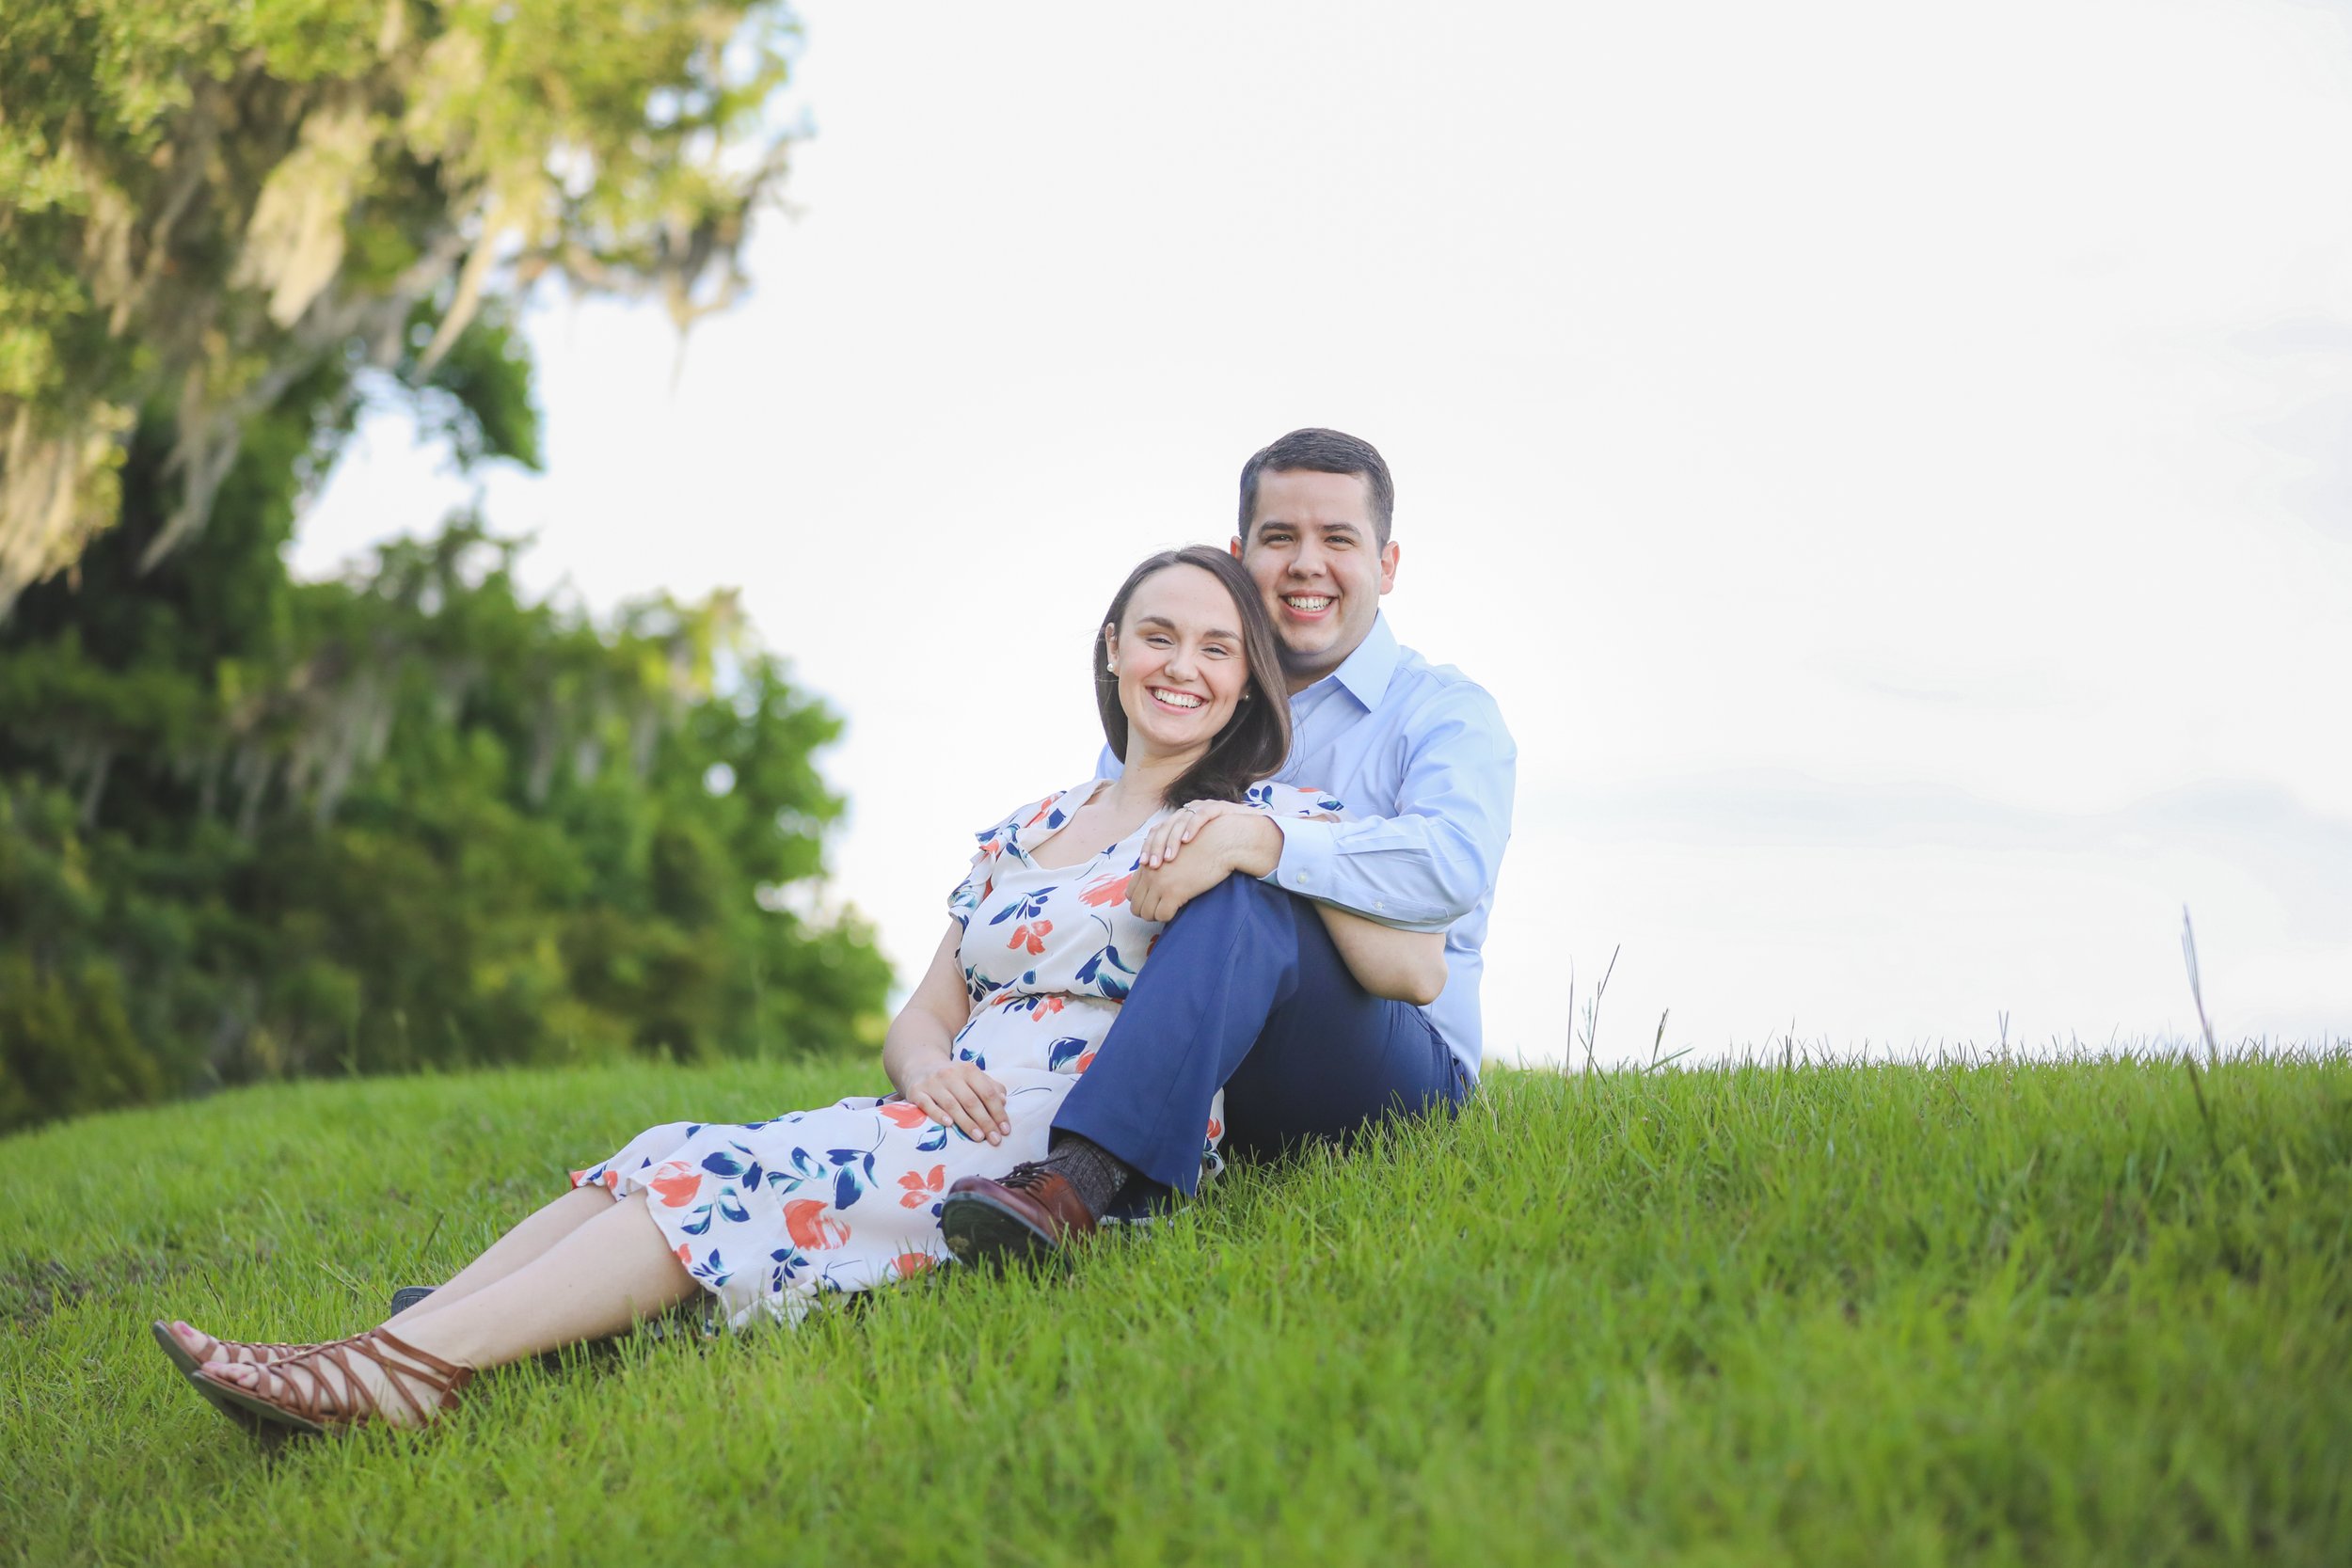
x=1094, y=1172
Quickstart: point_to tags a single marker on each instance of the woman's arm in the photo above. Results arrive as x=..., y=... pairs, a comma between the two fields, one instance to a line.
x=1406, y=966
x=918, y=1053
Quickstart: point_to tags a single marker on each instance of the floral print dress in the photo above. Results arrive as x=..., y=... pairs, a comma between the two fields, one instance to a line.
x=772, y=1216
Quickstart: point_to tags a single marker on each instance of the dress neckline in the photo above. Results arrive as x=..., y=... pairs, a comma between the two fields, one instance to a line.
x=1091, y=787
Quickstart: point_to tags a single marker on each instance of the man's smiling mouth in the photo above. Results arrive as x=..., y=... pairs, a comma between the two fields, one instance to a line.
x=1308, y=604
x=1184, y=700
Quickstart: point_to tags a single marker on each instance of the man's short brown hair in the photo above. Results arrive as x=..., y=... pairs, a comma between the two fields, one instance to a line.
x=1322, y=451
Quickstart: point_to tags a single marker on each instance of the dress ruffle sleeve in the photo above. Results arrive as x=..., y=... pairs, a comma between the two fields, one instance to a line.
x=979, y=880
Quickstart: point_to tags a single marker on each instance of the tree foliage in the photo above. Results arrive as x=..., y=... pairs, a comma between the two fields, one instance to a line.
x=204, y=202
x=253, y=826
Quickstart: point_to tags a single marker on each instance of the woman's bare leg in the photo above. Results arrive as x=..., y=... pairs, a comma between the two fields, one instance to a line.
x=615, y=1271
x=528, y=1241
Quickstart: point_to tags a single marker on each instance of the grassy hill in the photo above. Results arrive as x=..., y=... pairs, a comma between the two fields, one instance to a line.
x=1814, y=1315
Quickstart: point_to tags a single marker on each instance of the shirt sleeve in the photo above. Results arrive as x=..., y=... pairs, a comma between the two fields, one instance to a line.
x=1429, y=864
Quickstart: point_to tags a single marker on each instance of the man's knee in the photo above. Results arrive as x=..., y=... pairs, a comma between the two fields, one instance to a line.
x=1237, y=899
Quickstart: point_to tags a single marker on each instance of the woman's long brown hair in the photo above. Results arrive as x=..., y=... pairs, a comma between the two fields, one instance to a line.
x=1255, y=742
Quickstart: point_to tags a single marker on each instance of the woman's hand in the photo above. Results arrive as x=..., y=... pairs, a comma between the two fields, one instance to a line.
x=962, y=1096
x=1179, y=828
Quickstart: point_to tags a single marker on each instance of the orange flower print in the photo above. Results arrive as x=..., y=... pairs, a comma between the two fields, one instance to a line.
x=804, y=1222
x=912, y=1264
x=1083, y=1063
x=686, y=1255
x=1031, y=936
x=678, y=1188
x=920, y=1188
x=1217, y=1129
x=613, y=1179
x=903, y=1115
x=1111, y=890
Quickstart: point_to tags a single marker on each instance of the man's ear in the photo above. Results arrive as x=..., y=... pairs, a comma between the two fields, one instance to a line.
x=1235, y=547
x=1389, y=553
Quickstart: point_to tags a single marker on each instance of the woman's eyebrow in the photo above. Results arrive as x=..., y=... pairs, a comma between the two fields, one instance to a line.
x=1143, y=620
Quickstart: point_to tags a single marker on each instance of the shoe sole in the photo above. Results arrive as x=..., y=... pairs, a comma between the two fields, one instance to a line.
x=984, y=1234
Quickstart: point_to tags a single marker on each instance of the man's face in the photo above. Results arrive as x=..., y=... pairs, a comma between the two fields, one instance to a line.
x=1312, y=548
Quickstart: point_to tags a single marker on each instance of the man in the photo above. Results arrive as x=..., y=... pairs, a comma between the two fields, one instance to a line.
x=1244, y=989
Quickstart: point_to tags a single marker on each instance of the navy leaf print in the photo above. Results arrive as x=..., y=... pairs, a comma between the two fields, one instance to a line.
x=845, y=1191
x=721, y=1164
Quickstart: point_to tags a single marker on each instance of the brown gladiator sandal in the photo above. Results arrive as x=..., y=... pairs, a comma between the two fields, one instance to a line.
x=316, y=1403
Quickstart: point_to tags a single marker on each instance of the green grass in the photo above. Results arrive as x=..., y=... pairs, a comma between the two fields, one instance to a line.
x=1860, y=1314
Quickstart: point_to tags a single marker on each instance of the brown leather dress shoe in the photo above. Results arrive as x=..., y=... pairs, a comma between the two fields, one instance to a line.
x=1026, y=1217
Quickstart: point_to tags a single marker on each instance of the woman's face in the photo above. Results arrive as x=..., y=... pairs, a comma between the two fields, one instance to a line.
x=1181, y=669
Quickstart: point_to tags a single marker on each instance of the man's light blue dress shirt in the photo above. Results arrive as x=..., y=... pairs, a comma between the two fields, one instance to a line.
x=1418, y=753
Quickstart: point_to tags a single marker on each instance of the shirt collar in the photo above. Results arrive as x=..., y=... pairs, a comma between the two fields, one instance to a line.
x=1366, y=672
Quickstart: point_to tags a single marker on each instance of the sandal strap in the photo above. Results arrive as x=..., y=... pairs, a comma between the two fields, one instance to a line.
x=257, y=1349
x=313, y=1396
x=444, y=1378
x=343, y=1398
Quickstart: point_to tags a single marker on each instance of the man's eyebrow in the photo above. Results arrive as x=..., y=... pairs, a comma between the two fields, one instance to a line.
x=1264, y=523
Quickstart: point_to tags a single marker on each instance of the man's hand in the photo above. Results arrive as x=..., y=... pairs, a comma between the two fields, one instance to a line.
x=1224, y=840
x=962, y=1096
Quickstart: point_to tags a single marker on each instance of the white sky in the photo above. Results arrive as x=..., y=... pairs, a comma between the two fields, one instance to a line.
x=1892, y=465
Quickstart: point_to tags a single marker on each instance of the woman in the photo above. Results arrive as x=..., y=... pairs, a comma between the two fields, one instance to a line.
x=771, y=1216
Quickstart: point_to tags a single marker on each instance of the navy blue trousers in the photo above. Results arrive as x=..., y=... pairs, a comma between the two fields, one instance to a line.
x=1244, y=991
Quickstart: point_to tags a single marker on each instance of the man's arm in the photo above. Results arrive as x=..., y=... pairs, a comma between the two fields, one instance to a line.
x=1428, y=862
x=1419, y=870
